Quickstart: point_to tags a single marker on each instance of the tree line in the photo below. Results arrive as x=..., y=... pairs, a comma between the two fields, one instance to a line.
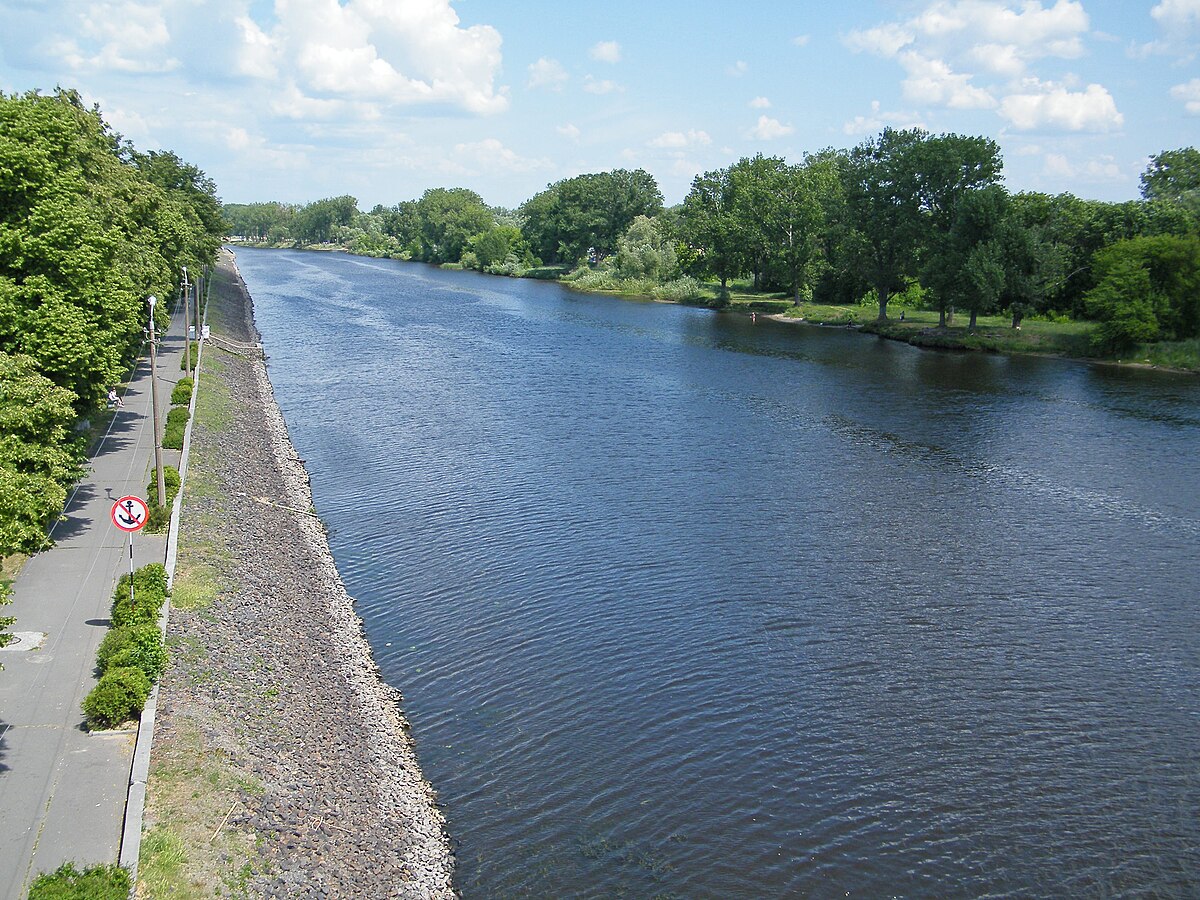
x=89, y=228
x=905, y=213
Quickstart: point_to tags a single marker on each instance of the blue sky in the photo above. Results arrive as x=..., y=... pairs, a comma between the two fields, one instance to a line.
x=295, y=100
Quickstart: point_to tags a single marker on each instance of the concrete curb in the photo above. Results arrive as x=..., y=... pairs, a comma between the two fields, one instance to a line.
x=135, y=803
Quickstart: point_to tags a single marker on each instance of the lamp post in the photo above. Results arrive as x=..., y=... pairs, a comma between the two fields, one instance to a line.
x=158, y=462
x=185, y=290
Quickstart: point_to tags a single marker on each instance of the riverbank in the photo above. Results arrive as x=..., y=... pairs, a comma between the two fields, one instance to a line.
x=282, y=765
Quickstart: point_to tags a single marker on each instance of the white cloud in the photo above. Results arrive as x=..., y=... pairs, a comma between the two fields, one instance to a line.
x=1189, y=94
x=1100, y=169
x=878, y=120
x=678, y=140
x=886, y=40
x=569, y=131
x=120, y=37
x=547, y=73
x=1003, y=59
x=1050, y=105
x=395, y=54
x=768, y=129
x=801, y=40
x=1177, y=13
x=738, y=69
x=606, y=51
x=933, y=82
x=760, y=103
x=256, y=55
x=490, y=155
x=599, y=86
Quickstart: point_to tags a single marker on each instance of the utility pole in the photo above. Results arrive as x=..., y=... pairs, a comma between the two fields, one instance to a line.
x=158, y=463
x=185, y=292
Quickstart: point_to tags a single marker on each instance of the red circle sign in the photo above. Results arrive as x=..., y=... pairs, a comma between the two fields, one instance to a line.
x=130, y=513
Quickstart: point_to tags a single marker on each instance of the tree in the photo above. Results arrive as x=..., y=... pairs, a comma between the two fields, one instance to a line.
x=448, y=219
x=884, y=210
x=645, y=251
x=968, y=267
x=1174, y=176
x=587, y=213
x=796, y=219
x=711, y=226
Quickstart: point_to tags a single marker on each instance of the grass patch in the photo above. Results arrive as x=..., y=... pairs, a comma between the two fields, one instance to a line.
x=92, y=883
x=195, y=586
x=1172, y=354
x=214, y=406
x=187, y=853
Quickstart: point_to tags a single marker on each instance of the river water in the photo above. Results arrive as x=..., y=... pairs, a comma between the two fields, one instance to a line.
x=685, y=606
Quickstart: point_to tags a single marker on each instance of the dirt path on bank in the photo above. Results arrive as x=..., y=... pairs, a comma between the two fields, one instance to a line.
x=282, y=766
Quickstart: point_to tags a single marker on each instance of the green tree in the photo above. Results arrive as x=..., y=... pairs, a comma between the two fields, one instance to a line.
x=711, y=227
x=647, y=251
x=1174, y=176
x=449, y=218
x=882, y=189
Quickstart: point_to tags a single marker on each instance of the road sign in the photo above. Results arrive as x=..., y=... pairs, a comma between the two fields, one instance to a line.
x=130, y=513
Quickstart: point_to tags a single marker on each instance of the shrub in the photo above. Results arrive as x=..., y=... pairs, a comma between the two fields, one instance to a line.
x=109, y=882
x=160, y=516
x=195, y=352
x=177, y=420
x=181, y=394
x=133, y=646
x=150, y=590
x=681, y=289
x=119, y=696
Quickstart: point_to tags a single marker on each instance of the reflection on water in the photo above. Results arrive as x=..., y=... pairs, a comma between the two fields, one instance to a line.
x=687, y=606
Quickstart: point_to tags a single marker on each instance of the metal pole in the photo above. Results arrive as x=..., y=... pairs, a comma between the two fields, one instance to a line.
x=158, y=461
x=132, y=605
x=185, y=292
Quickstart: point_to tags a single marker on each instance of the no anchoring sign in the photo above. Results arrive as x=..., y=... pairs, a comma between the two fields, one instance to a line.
x=130, y=513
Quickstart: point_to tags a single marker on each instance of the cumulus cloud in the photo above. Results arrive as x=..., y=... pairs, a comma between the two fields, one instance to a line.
x=801, y=40
x=599, y=85
x=1103, y=168
x=933, y=82
x=569, y=131
x=120, y=37
x=606, y=51
x=678, y=139
x=760, y=103
x=949, y=36
x=490, y=155
x=768, y=129
x=738, y=69
x=1188, y=93
x=402, y=54
x=1049, y=105
x=1177, y=13
x=547, y=73
x=879, y=120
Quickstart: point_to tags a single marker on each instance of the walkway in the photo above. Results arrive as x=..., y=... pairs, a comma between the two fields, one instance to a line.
x=63, y=790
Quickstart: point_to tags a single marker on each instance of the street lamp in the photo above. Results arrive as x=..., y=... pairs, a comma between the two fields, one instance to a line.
x=185, y=291
x=158, y=461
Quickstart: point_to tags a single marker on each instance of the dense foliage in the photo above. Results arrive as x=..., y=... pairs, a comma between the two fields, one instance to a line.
x=904, y=214
x=89, y=228
x=99, y=882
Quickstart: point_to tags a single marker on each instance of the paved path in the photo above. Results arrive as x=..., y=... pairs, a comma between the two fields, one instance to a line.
x=63, y=790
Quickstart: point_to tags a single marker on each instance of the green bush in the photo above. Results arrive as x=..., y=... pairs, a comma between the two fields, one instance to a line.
x=679, y=290
x=181, y=394
x=119, y=696
x=93, y=883
x=160, y=516
x=150, y=590
x=177, y=420
x=133, y=646
x=195, y=353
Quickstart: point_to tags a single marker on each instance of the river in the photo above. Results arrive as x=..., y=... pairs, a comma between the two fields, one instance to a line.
x=687, y=606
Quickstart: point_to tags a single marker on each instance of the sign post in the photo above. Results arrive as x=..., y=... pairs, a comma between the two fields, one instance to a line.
x=130, y=515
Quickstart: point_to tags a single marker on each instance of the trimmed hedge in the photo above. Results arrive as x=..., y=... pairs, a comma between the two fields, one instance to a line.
x=149, y=593
x=195, y=351
x=160, y=516
x=119, y=696
x=181, y=394
x=133, y=646
x=177, y=420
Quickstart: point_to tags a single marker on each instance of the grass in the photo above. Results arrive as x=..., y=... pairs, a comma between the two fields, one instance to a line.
x=196, y=583
x=191, y=852
x=1183, y=355
x=92, y=883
